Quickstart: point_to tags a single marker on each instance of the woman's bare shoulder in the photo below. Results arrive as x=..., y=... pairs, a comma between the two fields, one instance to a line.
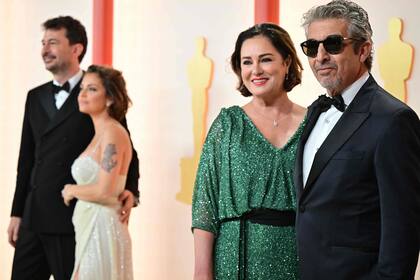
x=114, y=131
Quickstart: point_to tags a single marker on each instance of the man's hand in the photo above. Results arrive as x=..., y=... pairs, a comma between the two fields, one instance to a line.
x=127, y=201
x=67, y=195
x=13, y=230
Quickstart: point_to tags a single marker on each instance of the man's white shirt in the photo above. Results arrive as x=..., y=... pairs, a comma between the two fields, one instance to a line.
x=62, y=95
x=325, y=123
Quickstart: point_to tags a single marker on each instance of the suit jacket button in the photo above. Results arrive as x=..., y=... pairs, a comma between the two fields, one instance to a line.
x=302, y=208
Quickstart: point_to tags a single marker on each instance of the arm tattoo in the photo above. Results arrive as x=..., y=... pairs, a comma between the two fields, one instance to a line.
x=107, y=162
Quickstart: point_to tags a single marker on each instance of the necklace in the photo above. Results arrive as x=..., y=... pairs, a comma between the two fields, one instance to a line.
x=275, y=121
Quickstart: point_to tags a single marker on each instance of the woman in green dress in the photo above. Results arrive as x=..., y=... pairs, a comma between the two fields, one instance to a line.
x=244, y=200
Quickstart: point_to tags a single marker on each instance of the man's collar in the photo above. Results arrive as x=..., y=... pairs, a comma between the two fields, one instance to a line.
x=73, y=81
x=350, y=92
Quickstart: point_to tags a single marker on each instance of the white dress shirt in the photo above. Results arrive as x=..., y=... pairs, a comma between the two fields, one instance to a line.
x=325, y=123
x=61, y=96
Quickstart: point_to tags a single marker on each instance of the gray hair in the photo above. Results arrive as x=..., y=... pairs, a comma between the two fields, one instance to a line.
x=356, y=17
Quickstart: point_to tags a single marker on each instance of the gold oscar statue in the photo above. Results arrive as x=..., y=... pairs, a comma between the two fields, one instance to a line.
x=395, y=61
x=200, y=70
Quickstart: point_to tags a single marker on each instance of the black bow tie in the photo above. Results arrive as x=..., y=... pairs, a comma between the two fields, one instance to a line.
x=325, y=102
x=65, y=87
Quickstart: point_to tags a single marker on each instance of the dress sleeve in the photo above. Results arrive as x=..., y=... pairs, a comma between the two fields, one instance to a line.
x=206, y=190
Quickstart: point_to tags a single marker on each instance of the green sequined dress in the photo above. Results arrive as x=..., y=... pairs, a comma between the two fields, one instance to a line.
x=239, y=171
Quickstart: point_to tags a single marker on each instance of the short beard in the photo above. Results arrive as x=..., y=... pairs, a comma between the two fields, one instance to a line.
x=332, y=86
x=58, y=68
x=53, y=69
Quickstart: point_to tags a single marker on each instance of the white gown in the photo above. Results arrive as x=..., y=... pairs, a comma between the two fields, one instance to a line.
x=103, y=244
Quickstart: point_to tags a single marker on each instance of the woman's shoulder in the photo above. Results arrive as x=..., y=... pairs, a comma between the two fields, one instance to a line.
x=115, y=131
x=232, y=110
x=226, y=117
x=225, y=121
x=230, y=113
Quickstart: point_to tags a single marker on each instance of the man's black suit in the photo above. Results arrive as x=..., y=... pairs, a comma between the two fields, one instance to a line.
x=51, y=140
x=359, y=210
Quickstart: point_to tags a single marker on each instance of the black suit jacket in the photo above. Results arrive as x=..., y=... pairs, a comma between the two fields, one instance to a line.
x=51, y=141
x=359, y=210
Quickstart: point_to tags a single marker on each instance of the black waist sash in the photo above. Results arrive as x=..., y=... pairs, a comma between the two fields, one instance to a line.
x=261, y=216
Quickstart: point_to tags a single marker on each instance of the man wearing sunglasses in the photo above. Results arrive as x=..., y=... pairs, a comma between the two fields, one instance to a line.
x=357, y=169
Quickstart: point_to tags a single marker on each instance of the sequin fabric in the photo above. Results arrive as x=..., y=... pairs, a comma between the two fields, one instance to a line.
x=240, y=170
x=103, y=244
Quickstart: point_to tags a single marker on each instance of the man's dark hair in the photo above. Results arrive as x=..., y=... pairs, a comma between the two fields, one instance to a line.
x=75, y=31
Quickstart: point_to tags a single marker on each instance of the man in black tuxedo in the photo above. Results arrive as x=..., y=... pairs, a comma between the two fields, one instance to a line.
x=357, y=169
x=54, y=133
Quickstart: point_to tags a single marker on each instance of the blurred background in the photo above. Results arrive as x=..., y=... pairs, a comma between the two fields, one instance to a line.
x=152, y=43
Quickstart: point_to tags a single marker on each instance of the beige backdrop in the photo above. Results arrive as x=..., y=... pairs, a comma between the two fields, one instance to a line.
x=152, y=45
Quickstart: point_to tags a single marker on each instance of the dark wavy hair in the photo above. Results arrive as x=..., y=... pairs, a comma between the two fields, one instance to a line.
x=75, y=31
x=281, y=40
x=115, y=88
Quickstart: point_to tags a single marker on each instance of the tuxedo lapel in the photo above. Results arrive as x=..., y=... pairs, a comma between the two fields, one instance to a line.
x=350, y=121
x=47, y=101
x=312, y=116
x=344, y=129
x=69, y=107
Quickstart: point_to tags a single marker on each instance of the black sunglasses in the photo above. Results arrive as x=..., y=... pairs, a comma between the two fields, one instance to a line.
x=333, y=44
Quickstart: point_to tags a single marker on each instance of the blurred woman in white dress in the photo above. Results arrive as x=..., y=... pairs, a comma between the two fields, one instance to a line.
x=103, y=244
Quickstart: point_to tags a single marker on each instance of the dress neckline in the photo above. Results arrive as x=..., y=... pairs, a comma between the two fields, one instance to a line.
x=90, y=154
x=89, y=157
x=261, y=136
